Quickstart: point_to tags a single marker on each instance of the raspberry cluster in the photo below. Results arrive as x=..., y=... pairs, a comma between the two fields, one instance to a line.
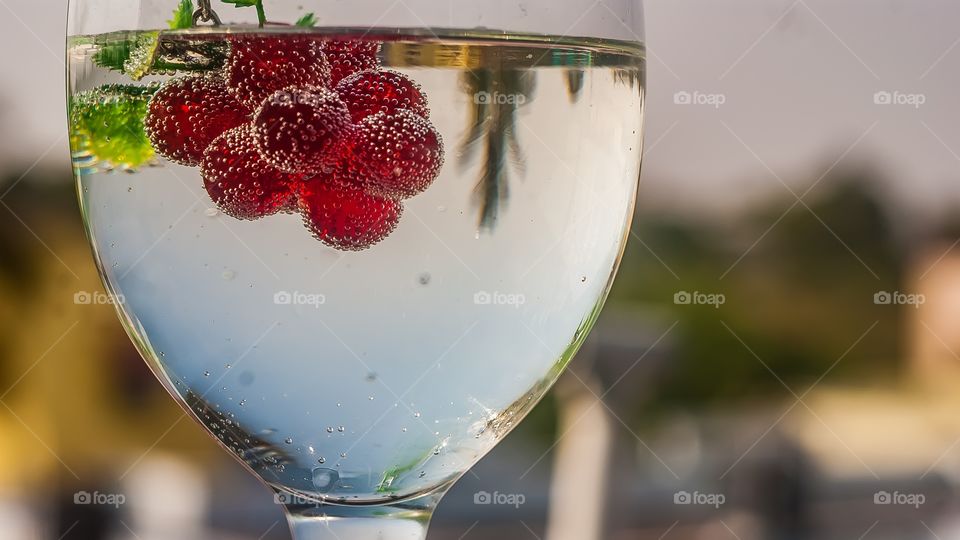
x=297, y=124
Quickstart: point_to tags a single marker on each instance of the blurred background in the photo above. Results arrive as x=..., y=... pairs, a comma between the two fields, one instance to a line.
x=779, y=358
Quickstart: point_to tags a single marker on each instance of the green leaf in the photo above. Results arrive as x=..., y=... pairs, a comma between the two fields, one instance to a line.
x=241, y=3
x=106, y=127
x=146, y=53
x=183, y=16
x=308, y=21
x=261, y=15
x=142, y=56
x=131, y=54
x=114, y=54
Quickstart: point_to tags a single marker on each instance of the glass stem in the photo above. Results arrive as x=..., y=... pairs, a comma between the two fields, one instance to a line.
x=407, y=520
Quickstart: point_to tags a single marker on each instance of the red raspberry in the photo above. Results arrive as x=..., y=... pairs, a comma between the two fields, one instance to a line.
x=369, y=92
x=347, y=57
x=396, y=155
x=259, y=66
x=297, y=128
x=238, y=180
x=187, y=114
x=344, y=216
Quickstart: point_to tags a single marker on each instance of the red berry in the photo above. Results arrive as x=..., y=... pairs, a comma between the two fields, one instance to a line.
x=187, y=114
x=397, y=155
x=259, y=66
x=369, y=92
x=238, y=180
x=347, y=57
x=297, y=128
x=344, y=216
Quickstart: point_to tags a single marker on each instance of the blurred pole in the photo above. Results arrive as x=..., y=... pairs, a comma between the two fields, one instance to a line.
x=578, y=493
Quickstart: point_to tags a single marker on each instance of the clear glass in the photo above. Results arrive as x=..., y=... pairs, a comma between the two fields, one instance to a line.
x=358, y=288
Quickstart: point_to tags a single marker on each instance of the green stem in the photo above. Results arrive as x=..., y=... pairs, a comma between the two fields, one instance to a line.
x=261, y=14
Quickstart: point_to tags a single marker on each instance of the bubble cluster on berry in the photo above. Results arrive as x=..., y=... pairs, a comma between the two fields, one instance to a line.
x=297, y=128
x=301, y=124
x=345, y=216
x=236, y=180
x=369, y=92
x=188, y=113
x=395, y=153
x=258, y=66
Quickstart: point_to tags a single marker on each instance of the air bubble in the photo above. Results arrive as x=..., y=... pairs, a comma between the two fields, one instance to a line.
x=325, y=479
x=288, y=440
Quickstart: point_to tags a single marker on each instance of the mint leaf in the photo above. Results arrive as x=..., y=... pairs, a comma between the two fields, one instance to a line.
x=113, y=53
x=261, y=15
x=146, y=53
x=106, y=127
x=308, y=21
x=183, y=16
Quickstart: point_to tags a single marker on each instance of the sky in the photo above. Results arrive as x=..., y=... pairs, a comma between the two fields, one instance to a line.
x=780, y=91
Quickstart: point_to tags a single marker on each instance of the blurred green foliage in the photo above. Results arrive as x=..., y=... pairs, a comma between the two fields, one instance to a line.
x=799, y=282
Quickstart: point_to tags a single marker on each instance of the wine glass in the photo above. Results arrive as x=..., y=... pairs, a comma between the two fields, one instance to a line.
x=357, y=241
